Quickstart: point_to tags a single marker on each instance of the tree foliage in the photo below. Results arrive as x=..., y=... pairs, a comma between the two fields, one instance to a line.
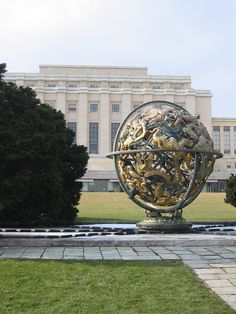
x=230, y=190
x=39, y=164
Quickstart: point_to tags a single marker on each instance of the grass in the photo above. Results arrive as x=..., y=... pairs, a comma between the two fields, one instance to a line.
x=104, y=287
x=113, y=206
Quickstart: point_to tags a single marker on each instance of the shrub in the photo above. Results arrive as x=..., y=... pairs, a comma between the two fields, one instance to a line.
x=230, y=190
x=39, y=164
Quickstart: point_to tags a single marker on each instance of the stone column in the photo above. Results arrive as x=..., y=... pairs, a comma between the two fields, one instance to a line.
x=222, y=139
x=104, y=129
x=191, y=104
x=82, y=119
x=126, y=105
x=61, y=102
x=232, y=141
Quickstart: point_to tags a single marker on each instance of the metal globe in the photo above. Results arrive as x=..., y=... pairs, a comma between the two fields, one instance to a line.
x=163, y=156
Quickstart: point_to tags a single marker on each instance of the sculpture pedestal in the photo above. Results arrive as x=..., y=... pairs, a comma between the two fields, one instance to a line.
x=172, y=223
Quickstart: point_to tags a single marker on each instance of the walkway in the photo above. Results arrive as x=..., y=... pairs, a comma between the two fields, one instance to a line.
x=215, y=265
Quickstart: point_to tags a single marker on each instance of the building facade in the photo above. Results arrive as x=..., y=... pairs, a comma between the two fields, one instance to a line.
x=96, y=99
x=224, y=137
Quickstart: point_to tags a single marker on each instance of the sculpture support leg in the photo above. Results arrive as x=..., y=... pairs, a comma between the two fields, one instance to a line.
x=164, y=223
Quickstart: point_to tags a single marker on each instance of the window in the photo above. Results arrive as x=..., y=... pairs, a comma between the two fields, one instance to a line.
x=216, y=138
x=235, y=140
x=93, y=85
x=156, y=87
x=136, y=86
x=115, y=108
x=115, y=85
x=51, y=84
x=73, y=126
x=71, y=107
x=114, y=128
x=226, y=139
x=228, y=165
x=93, y=108
x=72, y=84
x=177, y=87
x=93, y=138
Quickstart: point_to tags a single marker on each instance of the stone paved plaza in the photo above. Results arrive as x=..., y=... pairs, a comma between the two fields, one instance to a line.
x=214, y=265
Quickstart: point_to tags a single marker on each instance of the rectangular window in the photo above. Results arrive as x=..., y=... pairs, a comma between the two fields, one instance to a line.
x=235, y=139
x=73, y=126
x=115, y=108
x=72, y=107
x=226, y=139
x=93, y=108
x=51, y=84
x=176, y=87
x=93, y=85
x=115, y=85
x=136, y=86
x=114, y=129
x=156, y=87
x=93, y=138
x=72, y=84
x=228, y=165
x=216, y=138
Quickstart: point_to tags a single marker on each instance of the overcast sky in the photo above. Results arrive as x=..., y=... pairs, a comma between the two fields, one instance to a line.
x=171, y=37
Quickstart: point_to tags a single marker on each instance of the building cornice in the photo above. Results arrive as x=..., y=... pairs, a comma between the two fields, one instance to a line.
x=120, y=78
x=223, y=119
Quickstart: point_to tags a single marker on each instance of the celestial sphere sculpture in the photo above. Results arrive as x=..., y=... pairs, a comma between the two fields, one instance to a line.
x=163, y=156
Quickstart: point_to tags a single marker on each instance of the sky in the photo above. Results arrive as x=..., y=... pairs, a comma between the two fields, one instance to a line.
x=170, y=37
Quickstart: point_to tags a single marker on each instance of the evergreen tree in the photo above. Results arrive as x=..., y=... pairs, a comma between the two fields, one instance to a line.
x=39, y=164
x=230, y=190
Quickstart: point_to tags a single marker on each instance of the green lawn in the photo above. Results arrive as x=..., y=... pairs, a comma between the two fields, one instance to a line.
x=96, y=206
x=103, y=287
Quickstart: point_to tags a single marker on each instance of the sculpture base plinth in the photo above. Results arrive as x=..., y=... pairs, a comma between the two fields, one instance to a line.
x=156, y=222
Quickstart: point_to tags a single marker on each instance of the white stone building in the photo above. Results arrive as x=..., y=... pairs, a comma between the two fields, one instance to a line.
x=224, y=137
x=95, y=100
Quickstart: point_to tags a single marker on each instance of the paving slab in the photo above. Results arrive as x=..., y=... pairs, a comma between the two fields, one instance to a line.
x=73, y=257
x=233, y=281
x=12, y=253
x=229, y=297
x=190, y=257
x=228, y=255
x=209, y=271
x=93, y=256
x=230, y=269
x=53, y=253
x=181, y=252
x=169, y=256
x=224, y=290
x=210, y=257
x=218, y=283
x=223, y=265
x=196, y=265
